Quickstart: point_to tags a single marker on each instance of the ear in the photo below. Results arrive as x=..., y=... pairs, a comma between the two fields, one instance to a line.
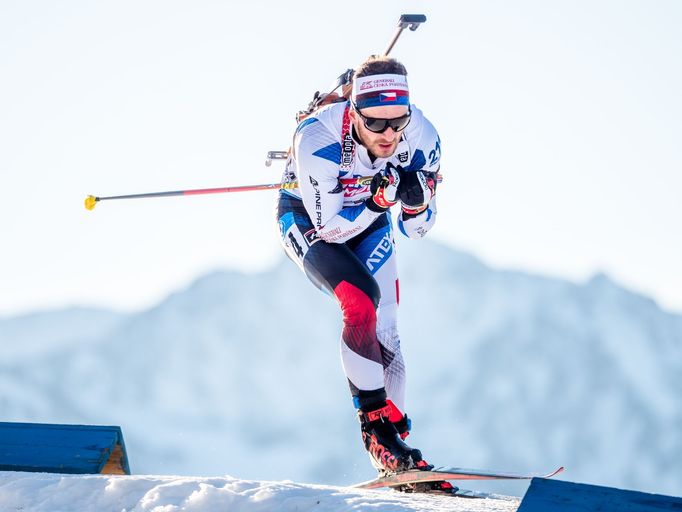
x=355, y=120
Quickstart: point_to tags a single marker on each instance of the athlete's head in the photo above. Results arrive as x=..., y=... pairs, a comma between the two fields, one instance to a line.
x=381, y=104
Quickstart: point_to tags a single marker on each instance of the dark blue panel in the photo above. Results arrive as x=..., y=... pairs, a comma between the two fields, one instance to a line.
x=73, y=449
x=306, y=122
x=331, y=153
x=418, y=161
x=558, y=496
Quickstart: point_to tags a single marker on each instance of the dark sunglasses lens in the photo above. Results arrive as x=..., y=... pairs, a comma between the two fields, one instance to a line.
x=376, y=125
x=400, y=123
x=381, y=125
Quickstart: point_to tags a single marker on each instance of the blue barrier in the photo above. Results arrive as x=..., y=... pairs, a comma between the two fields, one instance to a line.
x=545, y=495
x=74, y=449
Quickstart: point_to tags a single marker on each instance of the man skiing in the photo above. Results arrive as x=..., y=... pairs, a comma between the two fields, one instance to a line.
x=339, y=232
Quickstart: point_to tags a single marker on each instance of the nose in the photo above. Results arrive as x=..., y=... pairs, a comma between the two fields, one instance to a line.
x=389, y=134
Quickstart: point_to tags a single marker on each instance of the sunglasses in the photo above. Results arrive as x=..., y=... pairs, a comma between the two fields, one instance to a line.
x=378, y=125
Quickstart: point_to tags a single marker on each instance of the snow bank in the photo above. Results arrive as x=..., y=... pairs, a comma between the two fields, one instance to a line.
x=41, y=492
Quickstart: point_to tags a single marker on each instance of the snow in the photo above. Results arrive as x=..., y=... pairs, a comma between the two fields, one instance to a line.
x=41, y=492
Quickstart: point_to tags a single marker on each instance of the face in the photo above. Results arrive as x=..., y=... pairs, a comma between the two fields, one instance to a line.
x=381, y=145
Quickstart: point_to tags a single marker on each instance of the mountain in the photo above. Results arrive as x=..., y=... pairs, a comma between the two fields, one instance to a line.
x=240, y=374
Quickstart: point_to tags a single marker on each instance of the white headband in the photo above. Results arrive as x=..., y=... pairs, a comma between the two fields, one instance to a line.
x=380, y=90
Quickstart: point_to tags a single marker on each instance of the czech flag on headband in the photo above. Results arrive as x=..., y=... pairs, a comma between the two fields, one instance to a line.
x=382, y=98
x=391, y=96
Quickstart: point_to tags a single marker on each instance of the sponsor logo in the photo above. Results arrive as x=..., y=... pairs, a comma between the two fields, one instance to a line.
x=348, y=146
x=348, y=150
x=318, y=202
x=402, y=157
x=380, y=253
x=336, y=234
x=356, y=189
x=311, y=236
x=367, y=83
x=379, y=452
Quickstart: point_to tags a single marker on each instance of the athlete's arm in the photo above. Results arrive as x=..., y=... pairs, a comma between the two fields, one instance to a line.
x=416, y=220
x=318, y=152
x=416, y=226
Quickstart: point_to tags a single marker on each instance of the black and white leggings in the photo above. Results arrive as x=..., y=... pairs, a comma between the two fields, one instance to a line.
x=361, y=274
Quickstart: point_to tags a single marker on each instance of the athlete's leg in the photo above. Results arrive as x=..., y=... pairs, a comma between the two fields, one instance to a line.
x=335, y=269
x=377, y=251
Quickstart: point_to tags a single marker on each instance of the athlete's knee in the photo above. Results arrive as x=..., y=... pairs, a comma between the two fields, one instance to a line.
x=358, y=305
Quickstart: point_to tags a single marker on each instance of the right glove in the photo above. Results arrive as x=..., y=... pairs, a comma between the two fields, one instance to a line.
x=416, y=191
x=384, y=189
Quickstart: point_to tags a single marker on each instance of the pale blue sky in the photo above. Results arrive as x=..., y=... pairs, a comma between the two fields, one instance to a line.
x=561, y=125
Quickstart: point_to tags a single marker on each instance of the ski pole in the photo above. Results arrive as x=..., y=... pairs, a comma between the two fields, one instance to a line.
x=411, y=21
x=91, y=201
x=345, y=79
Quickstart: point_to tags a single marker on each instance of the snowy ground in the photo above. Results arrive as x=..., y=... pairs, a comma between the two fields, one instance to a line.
x=41, y=492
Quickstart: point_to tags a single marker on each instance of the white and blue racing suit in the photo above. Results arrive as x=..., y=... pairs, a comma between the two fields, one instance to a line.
x=347, y=249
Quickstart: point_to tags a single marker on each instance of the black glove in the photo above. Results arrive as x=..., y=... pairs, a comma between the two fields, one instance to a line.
x=416, y=190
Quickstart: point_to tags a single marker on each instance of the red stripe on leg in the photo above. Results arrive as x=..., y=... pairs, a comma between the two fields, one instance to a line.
x=359, y=321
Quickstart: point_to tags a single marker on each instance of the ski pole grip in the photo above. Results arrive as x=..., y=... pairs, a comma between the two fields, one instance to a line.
x=411, y=21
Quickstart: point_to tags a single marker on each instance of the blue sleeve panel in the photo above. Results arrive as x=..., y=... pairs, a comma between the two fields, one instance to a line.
x=72, y=449
x=418, y=161
x=546, y=495
x=332, y=152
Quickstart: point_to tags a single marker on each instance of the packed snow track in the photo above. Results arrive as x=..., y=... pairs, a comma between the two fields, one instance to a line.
x=42, y=492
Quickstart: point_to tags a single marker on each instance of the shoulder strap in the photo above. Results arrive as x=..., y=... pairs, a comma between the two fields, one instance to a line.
x=347, y=143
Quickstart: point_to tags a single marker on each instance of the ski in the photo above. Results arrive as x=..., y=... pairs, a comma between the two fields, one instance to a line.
x=414, y=476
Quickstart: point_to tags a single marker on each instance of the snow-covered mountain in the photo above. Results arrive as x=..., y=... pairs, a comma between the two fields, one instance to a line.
x=240, y=374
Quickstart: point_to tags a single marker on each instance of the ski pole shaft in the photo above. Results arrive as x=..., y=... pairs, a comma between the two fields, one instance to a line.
x=91, y=201
x=411, y=21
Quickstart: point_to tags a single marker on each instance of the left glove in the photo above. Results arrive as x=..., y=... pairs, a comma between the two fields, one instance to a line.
x=416, y=191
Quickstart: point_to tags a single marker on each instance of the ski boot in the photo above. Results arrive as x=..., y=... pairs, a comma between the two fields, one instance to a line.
x=384, y=430
x=387, y=451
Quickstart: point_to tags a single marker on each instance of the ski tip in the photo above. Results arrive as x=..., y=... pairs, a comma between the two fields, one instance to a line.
x=556, y=472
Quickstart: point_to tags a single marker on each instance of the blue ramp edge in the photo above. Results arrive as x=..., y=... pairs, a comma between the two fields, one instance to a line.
x=545, y=495
x=73, y=449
